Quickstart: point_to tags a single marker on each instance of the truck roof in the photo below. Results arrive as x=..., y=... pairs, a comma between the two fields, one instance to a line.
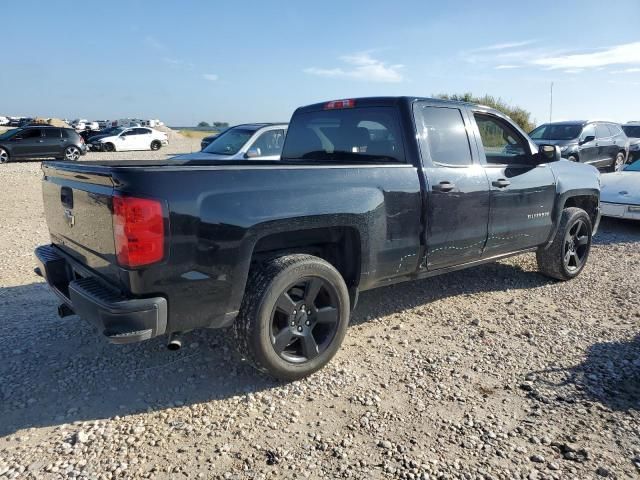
x=387, y=102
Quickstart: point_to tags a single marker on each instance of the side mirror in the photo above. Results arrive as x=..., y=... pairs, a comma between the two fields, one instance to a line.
x=549, y=153
x=587, y=139
x=252, y=153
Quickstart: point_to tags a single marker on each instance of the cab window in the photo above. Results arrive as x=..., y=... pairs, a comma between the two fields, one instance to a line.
x=501, y=142
x=269, y=143
x=443, y=135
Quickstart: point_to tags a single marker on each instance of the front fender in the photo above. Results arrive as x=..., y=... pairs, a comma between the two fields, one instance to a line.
x=574, y=181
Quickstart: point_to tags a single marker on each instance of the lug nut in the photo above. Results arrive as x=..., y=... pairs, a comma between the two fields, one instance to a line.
x=299, y=329
x=307, y=323
x=293, y=324
x=294, y=312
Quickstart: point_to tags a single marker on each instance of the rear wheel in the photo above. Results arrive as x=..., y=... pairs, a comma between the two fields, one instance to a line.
x=109, y=147
x=294, y=316
x=619, y=162
x=155, y=145
x=572, y=158
x=567, y=255
x=72, y=153
x=4, y=156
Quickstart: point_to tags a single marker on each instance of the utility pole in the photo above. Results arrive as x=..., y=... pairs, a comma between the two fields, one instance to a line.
x=551, y=104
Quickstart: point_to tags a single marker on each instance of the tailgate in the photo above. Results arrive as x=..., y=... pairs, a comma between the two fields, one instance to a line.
x=77, y=205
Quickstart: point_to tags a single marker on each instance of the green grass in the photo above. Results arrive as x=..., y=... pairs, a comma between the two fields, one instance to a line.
x=197, y=133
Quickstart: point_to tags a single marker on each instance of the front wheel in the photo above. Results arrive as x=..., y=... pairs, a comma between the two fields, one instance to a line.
x=4, y=156
x=109, y=147
x=567, y=255
x=293, y=317
x=155, y=145
x=72, y=153
x=618, y=165
x=572, y=158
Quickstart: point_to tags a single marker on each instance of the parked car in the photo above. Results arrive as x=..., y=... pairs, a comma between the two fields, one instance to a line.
x=126, y=139
x=620, y=194
x=37, y=142
x=92, y=137
x=260, y=141
x=632, y=130
x=4, y=121
x=369, y=192
x=14, y=121
x=601, y=144
x=208, y=139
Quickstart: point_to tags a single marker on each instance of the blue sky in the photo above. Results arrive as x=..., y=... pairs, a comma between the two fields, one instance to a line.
x=256, y=61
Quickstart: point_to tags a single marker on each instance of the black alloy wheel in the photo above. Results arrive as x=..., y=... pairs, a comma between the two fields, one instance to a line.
x=304, y=320
x=576, y=246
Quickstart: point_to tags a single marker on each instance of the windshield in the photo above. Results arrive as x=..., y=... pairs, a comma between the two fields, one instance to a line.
x=9, y=133
x=230, y=142
x=633, y=167
x=632, y=131
x=556, y=132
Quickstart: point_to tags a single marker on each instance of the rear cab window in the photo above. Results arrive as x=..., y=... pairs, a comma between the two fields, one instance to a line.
x=360, y=134
x=443, y=135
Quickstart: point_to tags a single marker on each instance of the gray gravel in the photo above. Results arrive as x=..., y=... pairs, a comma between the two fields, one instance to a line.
x=494, y=372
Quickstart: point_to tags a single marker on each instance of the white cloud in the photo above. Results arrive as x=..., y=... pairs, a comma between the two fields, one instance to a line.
x=507, y=67
x=627, y=70
x=625, y=54
x=210, y=76
x=361, y=66
x=504, y=46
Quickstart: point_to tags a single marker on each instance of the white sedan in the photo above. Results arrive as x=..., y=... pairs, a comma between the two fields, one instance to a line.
x=620, y=193
x=126, y=139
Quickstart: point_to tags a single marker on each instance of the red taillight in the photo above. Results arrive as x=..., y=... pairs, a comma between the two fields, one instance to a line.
x=138, y=231
x=335, y=104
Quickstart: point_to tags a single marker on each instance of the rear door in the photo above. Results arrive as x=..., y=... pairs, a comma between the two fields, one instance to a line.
x=604, y=142
x=522, y=193
x=143, y=138
x=457, y=212
x=52, y=142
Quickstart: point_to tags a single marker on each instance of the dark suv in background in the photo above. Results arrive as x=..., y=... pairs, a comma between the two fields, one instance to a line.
x=601, y=144
x=632, y=130
x=41, y=141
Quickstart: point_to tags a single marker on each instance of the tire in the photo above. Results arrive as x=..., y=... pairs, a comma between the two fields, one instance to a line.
x=573, y=158
x=4, y=156
x=618, y=163
x=293, y=317
x=72, y=153
x=567, y=255
x=109, y=147
x=156, y=145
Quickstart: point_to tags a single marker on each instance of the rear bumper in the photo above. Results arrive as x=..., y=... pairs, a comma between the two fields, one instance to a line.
x=120, y=319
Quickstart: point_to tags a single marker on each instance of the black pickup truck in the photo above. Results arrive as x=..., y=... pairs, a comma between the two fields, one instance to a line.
x=368, y=192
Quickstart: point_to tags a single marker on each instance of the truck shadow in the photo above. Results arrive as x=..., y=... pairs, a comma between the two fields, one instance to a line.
x=58, y=371
x=609, y=375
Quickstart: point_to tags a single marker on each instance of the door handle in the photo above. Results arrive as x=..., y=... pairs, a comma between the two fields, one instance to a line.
x=40, y=141
x=444, y=187
x=501, y=183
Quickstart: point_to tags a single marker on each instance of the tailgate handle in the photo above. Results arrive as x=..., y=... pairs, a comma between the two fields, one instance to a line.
x=66, y=197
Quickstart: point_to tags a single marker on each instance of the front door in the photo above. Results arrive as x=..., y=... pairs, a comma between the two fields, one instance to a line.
x=457, y=210
x=588, y=150
x=28, y=143
x=522, y=193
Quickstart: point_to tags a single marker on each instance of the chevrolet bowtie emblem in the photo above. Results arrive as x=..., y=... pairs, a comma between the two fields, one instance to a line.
x=69, y=217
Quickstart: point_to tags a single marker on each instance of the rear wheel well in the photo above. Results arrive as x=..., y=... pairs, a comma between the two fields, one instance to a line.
x=587, y=203
x=340, y=246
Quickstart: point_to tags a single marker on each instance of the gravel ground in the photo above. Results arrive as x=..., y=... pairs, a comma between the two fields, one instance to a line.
x=494, y=372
